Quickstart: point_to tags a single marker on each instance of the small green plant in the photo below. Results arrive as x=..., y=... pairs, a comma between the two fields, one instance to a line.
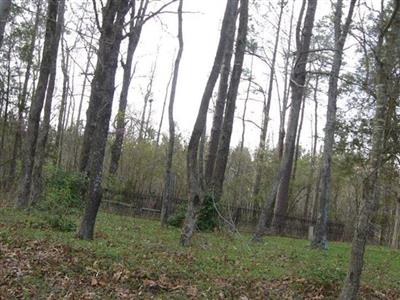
x=176, y=220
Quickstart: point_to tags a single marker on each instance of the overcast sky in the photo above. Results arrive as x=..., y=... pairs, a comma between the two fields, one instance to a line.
x=201, y=33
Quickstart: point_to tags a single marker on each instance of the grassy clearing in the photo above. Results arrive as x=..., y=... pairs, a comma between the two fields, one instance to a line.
x=135, y=258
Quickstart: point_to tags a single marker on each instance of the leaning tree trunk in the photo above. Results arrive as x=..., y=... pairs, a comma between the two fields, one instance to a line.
x=134, y=37
x=219, y=108
x=5, y=7
x=298, y=79
x=298, y=87
x=196, y=193
x=37, y=178
x=227, y=126
x=49, y=55
x=170, y=152
x=266, y=108
x=371, y=189
x=102, y=93
x=320, y=238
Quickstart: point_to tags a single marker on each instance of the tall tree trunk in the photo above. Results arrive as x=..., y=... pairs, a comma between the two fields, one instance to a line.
x=267, y=106
x=196, y=194
x=371, y=189
x=163, y=110
x=5, y=7
x=298, y=79
x=102, y=94
x=170, y=152
x=298, y=136
x=7, y=102
x=64, y=98
x=49, y=55
x=22, y=100
x=37, y=178
x=134, y=37
x=297, y=83
x=219, y=107
x=320, y=238
x=227, y=126
x=396, y=229
x=286, y=89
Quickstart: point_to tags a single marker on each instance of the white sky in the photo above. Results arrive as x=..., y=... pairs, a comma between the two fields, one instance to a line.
x=201, y=34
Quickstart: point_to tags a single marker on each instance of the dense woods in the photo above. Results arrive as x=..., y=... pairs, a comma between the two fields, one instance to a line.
x=278, y=119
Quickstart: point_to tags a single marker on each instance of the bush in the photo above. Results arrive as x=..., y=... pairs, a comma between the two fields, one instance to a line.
x=208, y=217
x=62, y=198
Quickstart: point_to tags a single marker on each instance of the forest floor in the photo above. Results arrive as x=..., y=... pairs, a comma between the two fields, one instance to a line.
x=133, y=258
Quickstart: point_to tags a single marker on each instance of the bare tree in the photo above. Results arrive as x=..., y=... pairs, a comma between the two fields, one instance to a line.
x=298, y=79
x=49, y=55
x=170, y=152
x=320, y=237
x=101, y=99
x=196, y=194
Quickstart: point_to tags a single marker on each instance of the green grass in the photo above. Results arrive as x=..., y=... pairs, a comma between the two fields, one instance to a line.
x=140, y=258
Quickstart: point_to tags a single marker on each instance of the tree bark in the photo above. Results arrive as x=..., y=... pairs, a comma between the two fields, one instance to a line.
x=298, y=87
x=227, y=126
x=170, y=152
x=37, y=178
x=298, y=79
x=219, y=107
x=321, y=230
x=49, y=55
x=5, y=7
x=371, y=189
x=134, y=37
x=396, y=229
x=102, y=94
x=196, y=194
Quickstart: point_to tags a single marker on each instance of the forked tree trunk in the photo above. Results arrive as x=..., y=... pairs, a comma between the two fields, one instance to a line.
x=298, y=79
x=37, y=178
x=227, y=126
x=219, y=107
x=297, y=83
x=134, y=37
x=321, y=230
x=371, y=189
x=102, y=94
x=196, y=193
x=170, y=152
x=49, y=55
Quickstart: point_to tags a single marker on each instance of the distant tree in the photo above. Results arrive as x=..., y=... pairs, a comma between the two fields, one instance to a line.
x=5, y=7
x=167, y=196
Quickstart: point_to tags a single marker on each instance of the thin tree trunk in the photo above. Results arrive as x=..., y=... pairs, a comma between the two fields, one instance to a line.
x=396, y=229
x=49, y=55
x=297, y=83
x=23, y=98
x=37, y=178
x=286, y=89
x=298, y=79
x=102, y=94
x=227, y=126
x=196, y=194
x=267, y=106
x=170, y=152
x=5, y=7
x=320, y=238
x=298, y=136
x=219, y=107
x=371, y=189
x=134, y=37
x=163, y=110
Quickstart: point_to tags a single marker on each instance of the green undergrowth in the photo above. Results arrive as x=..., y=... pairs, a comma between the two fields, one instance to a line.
x=215, y=263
